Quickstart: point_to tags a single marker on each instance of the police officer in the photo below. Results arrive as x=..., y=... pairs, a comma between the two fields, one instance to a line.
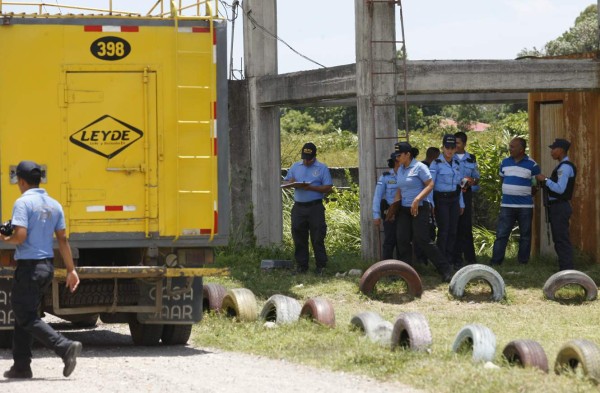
x=36, y=217
x=385, y=192
x=447, y=195
x=412, y=210
x=311, y=180
x=470, y=174
x=560, y=186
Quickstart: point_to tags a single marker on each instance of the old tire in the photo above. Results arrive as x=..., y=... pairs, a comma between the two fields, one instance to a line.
x=411, y=331
x=374, y=326
x=176, y=334
x=478, y=339
x=145, y=334
x=319, y=310
x=391, y=267
x=240, y=303
x=477, y=272
x=212, y=297
x=281, y=309
x=6, y=339
x=526, y=353
x=566, y=277
x=579, y=353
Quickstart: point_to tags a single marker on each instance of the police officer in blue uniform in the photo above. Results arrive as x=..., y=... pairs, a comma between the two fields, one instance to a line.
x=446, y=174
x=385, y=192
x=311, y=180
x=411, y=210
x=560, y=186
x=464, y=244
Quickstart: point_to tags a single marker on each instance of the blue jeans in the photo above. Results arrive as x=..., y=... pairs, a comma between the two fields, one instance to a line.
x=506, y=221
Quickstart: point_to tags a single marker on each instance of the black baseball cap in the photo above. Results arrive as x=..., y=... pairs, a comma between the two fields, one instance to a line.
x=309, y=151
x=30, y=171
x=402, y=147
x=562, y=143
x=449, y=140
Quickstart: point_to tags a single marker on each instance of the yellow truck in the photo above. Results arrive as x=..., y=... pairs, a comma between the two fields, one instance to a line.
x=126, y=112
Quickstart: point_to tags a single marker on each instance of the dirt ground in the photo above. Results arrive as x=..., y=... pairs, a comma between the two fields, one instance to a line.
x=110, y=363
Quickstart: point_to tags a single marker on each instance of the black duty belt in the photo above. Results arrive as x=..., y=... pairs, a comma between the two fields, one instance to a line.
x=557, y=201
x=34, y=261
x=449, y=194
x=311, y=203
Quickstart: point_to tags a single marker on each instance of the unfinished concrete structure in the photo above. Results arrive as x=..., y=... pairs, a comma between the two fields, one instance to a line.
x=444, y=81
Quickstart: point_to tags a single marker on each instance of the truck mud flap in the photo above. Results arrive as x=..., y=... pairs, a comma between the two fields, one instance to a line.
x=181, y=301
x=7, y=318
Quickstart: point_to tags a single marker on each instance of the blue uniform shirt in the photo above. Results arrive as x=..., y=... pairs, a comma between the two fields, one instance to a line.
x=41, y=215
x=564, y=173
x=516, y=184
x=317, y=175
x=411, y=181
x=385, y=188
x=447, y=175
x=469, y=168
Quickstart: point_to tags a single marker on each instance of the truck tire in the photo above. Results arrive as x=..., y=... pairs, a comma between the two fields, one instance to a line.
x=145, y=334
x=212, y=297
x=374, y=326
x=240, y=303
x=319, y=310
x=566, y=277
x=411, y=331
x=477, y=272
x=526, y=353
x=176, y=334
x=82, y=321
x=281, y=309
x=6, y=339
x=478, y=339
x=579, y=353
x=391, y=267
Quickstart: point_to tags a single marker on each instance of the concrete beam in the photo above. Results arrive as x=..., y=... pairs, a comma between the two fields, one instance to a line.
x=437, y=77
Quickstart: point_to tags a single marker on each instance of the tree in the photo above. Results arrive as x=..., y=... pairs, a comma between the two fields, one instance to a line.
x=581, y=38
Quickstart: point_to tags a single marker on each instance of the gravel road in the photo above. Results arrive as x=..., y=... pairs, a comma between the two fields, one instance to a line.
x=110, y=363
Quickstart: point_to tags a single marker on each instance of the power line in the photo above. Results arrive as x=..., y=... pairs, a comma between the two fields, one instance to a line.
x=256, y=24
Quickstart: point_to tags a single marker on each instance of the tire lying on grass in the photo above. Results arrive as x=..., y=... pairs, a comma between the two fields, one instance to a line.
x=374, y=326
x=319, y=310
x=579, y=353
x=240, y=303
x=477, y=272
x=411, y=331
x=526, y=353
x=566, y=277
x=391, y=267
x=477, y=338
x=281, y=309
x=212, y=297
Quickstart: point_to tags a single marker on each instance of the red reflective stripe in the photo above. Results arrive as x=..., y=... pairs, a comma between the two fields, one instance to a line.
x=92, y=28
x=113, y=208
x=205, y=231
x=216, y=144
x=200, y=30
x=130, y=29
x=214, y=37
x=216, y=222
x=215, y=110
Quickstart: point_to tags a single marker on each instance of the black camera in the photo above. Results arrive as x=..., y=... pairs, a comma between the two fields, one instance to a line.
x=6, y=228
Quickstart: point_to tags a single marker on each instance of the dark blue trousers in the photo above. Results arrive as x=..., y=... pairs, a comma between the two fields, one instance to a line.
x=447, y=211
x=30, y=280
x=560, y=214
x=464, y=245
x=309, y=219
x=389, y=240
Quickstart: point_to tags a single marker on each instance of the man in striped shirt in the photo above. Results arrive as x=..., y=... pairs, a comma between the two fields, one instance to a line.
x=516, y=173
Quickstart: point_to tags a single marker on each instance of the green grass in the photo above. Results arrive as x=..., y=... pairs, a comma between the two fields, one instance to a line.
x=523, y=314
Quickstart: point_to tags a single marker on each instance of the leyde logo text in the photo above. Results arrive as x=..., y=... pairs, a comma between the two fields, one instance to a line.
x=106, y=136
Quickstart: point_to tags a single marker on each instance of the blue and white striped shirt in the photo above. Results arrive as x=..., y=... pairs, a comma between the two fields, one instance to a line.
x=516, y=185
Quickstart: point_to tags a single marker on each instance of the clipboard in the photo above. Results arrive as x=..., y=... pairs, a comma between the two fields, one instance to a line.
x=292, y=185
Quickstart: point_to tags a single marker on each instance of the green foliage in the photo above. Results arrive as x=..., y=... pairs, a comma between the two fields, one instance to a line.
x=581, y=38
x=336, y=149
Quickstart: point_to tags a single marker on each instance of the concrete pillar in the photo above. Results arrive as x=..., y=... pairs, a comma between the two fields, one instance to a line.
x=375, y=98
x=260, y=58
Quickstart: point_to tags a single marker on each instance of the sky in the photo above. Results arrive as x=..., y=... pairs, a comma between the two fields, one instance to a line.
x=323, y=30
